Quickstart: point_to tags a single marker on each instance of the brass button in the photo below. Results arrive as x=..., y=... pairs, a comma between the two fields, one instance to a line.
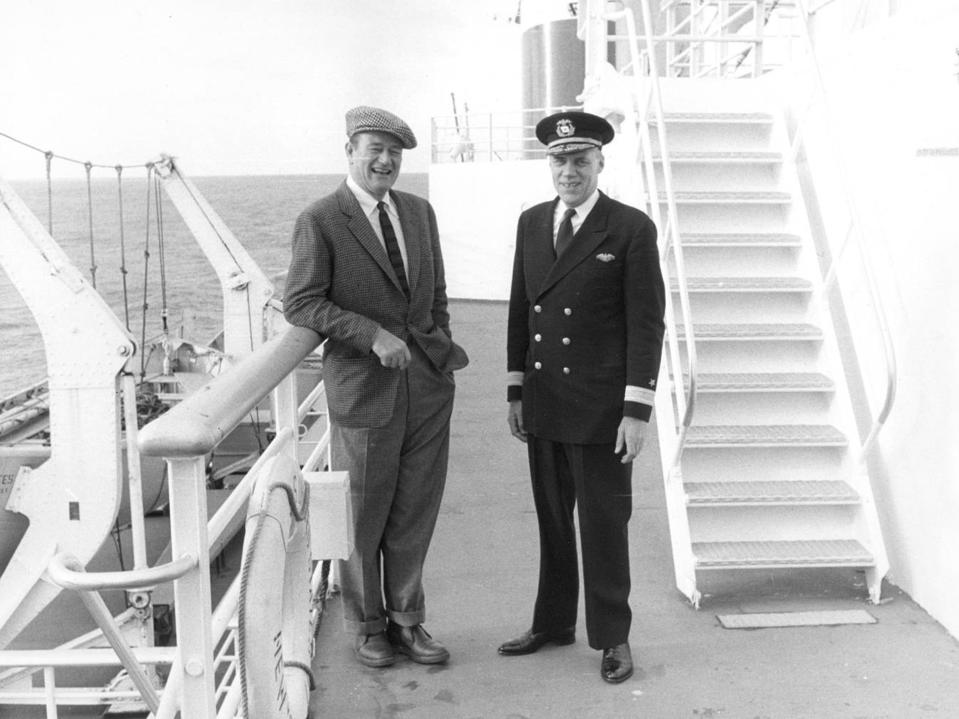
x=566, y=340
x=537, y=337
x=565, y=370
x=567, y=312
x=538, y=365
x=537, y=308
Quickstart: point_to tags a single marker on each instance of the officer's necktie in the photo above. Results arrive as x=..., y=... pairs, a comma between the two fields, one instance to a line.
x=565, y=234
x=393, y=248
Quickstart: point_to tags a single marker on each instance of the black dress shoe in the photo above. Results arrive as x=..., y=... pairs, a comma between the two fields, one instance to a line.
x=533, y=641
x=373, y=650
x=416, y=643
x=617, y=664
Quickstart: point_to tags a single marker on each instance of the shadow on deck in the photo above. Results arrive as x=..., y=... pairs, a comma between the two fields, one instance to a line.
x=481, y=581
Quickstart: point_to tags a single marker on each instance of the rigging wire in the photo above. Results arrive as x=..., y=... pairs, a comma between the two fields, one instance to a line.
x=93, y=258
x=164, y=310
x=49, y=157
x=146, y=277
x=75, y=161
x=123, y=249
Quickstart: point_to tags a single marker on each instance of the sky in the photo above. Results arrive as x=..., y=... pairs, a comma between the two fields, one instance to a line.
x=243, y=86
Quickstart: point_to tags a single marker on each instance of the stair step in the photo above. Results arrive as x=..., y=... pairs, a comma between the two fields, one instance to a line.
x=705, y=494
x=763, y=382
x=752, y=332
x=764, y=435
x=744, y=284
x=773, y=554
x=725, y=197
x=758, y=239
x=731, y=156
x=738, y=118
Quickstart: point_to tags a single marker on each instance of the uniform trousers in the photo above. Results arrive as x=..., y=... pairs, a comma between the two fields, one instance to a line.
x=397, y=477
x=591, y=478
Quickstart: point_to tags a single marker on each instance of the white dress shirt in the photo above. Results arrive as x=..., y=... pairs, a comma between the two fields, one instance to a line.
x=368, y=204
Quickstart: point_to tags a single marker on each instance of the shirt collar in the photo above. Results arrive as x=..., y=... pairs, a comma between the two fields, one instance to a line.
x=367, y=201
x=581, y=210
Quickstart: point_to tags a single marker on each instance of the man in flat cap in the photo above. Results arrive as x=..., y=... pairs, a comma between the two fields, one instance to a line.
x=584, y=342
x=367, y=275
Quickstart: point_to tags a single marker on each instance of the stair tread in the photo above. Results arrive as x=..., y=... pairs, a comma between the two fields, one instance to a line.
x=730, y=196
x=718, y=239
x=753, y=331
x=770, y=492
x=723, y=156
x=732, y=381
x=817, y=435
x=744, y=284
x=818, y=552
x=720, y=117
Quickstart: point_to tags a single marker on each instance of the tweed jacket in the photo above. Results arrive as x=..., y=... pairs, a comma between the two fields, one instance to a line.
x=341, y=285
x=585, y=331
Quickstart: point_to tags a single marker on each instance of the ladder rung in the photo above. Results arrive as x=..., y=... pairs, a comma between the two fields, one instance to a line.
x=772, y=554
x=706, y=494
x=764, y=435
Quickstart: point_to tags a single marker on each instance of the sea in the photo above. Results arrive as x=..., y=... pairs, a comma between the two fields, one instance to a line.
x=258, y=209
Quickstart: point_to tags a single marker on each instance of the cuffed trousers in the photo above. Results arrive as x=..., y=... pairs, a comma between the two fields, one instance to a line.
x=397, y=477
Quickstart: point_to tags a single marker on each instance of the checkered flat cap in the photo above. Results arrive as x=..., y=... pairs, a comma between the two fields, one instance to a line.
x=373, y=119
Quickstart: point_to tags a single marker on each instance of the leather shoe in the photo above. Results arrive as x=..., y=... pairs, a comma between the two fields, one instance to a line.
x=416, y=643
x=617, y=664
x=373, y=650
x=532, y=641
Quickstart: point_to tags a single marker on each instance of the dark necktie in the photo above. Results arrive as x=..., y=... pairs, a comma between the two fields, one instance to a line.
x=393, y=248
x=565, y=234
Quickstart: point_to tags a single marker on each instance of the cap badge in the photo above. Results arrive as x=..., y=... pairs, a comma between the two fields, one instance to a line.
x=565, y=128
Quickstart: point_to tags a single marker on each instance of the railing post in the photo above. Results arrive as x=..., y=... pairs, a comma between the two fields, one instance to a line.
x=188, y=526
x=760, y=21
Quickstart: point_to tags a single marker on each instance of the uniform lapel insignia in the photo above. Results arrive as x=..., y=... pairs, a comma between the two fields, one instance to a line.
x=605, y=257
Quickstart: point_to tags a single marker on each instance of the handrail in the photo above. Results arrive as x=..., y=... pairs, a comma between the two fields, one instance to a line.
x=673, y=241
x=196, y=425
x=63, y=576
x=855, y=230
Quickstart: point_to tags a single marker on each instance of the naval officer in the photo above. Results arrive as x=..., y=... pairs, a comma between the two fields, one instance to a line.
x=584, y=343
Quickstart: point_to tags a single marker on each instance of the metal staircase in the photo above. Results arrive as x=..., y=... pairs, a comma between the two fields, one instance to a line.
x=763, y=463
x=769, y=477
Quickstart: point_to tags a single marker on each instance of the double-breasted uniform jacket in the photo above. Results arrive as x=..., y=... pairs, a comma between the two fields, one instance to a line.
x=341, y=285
x=585, y=330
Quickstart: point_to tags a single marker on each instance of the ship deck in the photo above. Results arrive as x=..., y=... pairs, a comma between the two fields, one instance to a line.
x=481, y=580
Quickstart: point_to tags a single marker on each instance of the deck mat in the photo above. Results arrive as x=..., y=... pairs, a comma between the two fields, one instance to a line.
x=795, y=619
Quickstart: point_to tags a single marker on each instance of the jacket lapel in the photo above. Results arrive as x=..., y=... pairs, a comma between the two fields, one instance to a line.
x=539, y=248
x=362, y=230
x=590, y=235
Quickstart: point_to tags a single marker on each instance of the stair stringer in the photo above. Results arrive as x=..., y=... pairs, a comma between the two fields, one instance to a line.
x=864, y=519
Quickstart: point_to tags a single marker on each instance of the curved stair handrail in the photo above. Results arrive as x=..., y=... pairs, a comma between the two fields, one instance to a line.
x=686, y=397
x=855, y=231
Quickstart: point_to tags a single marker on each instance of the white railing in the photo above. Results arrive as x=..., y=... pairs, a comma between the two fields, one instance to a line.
x=184, y=436
x=643, y=67
x=489, y=136
x=721, y=38
x=854, y=232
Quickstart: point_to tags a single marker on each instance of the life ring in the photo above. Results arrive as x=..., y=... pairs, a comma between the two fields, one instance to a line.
x=273, y=637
